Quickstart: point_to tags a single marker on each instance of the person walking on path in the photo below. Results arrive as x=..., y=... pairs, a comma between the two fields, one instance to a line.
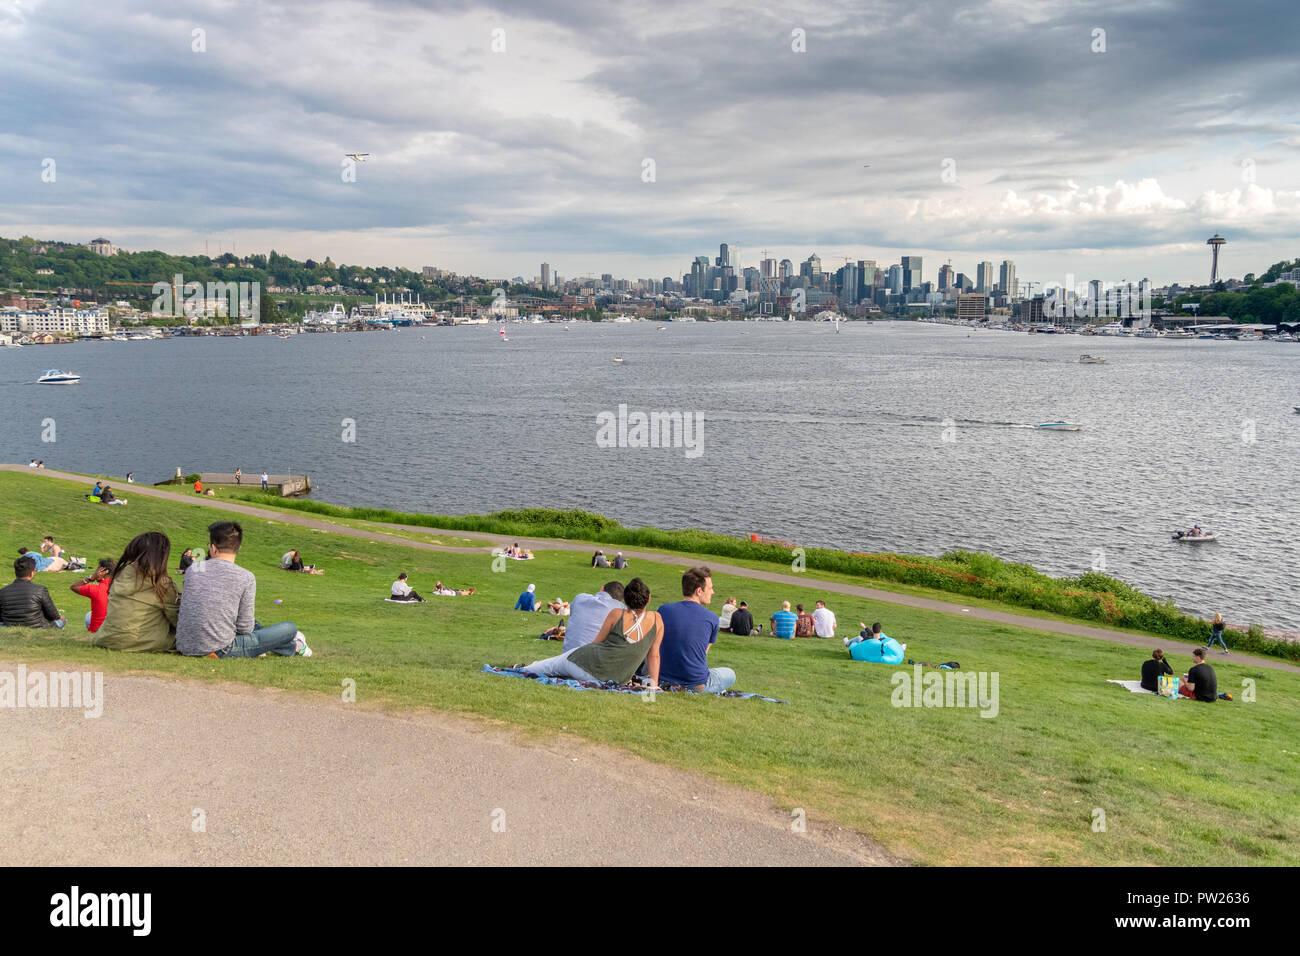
x=1216, y=633
x=239, y=476
x=265, y=480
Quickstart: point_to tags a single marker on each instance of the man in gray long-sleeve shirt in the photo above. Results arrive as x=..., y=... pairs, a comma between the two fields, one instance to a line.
x=216, y=615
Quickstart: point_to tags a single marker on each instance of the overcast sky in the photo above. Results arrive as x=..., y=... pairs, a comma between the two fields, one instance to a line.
x=1002, y=129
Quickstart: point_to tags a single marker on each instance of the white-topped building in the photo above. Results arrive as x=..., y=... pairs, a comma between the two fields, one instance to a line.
x=82, y=322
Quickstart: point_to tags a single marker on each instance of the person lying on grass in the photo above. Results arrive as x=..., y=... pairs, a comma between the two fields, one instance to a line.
x=45, y=562
x=452, y=592
x=555, y=633
x=627, y=638
x=402, y=591
x=216, y=615
x=559, y=606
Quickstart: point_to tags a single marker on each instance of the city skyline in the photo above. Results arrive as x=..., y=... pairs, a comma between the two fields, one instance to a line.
x=604, y=141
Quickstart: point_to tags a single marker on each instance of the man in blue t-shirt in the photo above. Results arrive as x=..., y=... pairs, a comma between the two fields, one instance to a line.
x=783, y=622
x=690, y=629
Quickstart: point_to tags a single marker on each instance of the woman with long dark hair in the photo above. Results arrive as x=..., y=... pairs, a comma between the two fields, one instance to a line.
x=142, y=599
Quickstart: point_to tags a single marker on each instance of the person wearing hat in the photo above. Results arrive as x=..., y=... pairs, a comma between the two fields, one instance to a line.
x=528, y=600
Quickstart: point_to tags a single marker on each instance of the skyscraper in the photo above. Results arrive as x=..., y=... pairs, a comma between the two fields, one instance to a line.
x=724, y=256
x=786, y=269
x=546, y=275
x=768, y=268
x=911, y=269
x=945, y=277
x=699, y=277
x=1007, y=278
x=895, y=281
x=984, y=277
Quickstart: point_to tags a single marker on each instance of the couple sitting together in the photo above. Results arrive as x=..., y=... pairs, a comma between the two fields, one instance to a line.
x=402, y=591
x=612, y=634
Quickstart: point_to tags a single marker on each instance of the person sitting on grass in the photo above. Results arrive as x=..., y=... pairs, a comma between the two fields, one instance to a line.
x=402, y=591
x=198, y=486
x=627, y=638
x=724, y=616
x=49, y=547
x=528, y=600
x=783, y=622
x=96, y=492
x=24, y=603
x=187, y=559
x=690, y=630
x=620, y=562
x=142, y=599
x=452, y=592
x=1200, y=683
x=1153, y=668
x=216, y=615
x=45, y=562
x=107, y=497
x=599, y=560
x=824, y=620
x=803, y=623
x=559, y=606
x=587, y=612
x=95, y=587
x=292, y=561
x=742, y=621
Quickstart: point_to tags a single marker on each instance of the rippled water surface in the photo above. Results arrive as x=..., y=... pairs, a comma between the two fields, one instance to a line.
x=822, y=438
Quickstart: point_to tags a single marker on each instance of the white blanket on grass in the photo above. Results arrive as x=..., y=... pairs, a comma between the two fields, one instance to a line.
x=1135, y=687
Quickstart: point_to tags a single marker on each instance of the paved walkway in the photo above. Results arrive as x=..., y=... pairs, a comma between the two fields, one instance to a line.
x=280, y=779
x=798, y=580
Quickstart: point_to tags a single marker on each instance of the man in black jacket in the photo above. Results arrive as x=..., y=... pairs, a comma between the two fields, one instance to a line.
x=26, y=603
x=742, y=621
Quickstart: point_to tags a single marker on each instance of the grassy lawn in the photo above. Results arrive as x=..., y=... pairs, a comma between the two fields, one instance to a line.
x=1180, y=782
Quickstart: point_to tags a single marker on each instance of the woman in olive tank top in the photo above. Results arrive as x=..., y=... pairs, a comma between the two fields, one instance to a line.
x=625, y=640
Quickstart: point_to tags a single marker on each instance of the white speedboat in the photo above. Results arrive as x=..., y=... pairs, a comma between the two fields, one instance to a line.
x=1091, y=360
x=1060, y=426
x=1180, y=334
x=52, y=376
x=618, y=358
x=1194, y=538
x=1150, y=333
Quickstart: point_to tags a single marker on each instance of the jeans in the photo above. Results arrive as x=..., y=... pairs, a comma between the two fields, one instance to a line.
x=276, y=639
x=561, y=667
x=1216, y=637
x=59, y=623
x=87, y=620
x=720, y=679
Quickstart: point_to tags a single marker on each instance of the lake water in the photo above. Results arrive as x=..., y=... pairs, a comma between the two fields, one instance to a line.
x=885, y=436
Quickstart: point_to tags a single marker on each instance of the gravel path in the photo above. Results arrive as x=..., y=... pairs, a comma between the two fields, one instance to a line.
x=282, y=779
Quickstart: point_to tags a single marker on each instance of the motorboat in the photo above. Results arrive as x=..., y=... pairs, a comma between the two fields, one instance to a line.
x=1150, y=333
x=1195, y=538
x=1091, y=360
x=618, y=358
x=1180, y=334
x=1060, y=426
x=52, y=376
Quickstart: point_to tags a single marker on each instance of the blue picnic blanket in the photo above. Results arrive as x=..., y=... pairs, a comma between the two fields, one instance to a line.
x=612, y=687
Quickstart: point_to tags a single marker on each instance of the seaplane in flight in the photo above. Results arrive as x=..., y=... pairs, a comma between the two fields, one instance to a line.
x=359, y=157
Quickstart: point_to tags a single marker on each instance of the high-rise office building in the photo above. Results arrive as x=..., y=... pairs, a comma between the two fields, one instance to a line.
x=895, y=282
x=848, y=283
x=767, y=268
x=911, y=268
x=866, y=278
x=607, y=280
x=984, y=277
x=546, y=275
x=724, y=256
x=786, y=269
x=699, y=277
x=1007, y=278
x=945, y=277
x=811, y=268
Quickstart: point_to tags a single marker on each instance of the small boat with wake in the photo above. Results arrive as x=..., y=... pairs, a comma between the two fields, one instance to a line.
x=52, y=376
x=1195, y=536
x=1091, y=360
x=1059, y=426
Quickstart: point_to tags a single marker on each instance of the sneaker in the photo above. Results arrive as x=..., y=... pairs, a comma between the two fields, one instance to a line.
x=846, y=642
x=300, y=648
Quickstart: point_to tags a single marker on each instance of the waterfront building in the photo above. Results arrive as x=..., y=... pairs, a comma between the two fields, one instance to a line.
x=972, y=306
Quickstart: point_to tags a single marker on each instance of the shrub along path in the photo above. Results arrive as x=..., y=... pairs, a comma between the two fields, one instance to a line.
x=797, y=580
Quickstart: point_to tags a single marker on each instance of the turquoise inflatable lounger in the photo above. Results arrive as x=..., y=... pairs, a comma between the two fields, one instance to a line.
x=884, y=650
